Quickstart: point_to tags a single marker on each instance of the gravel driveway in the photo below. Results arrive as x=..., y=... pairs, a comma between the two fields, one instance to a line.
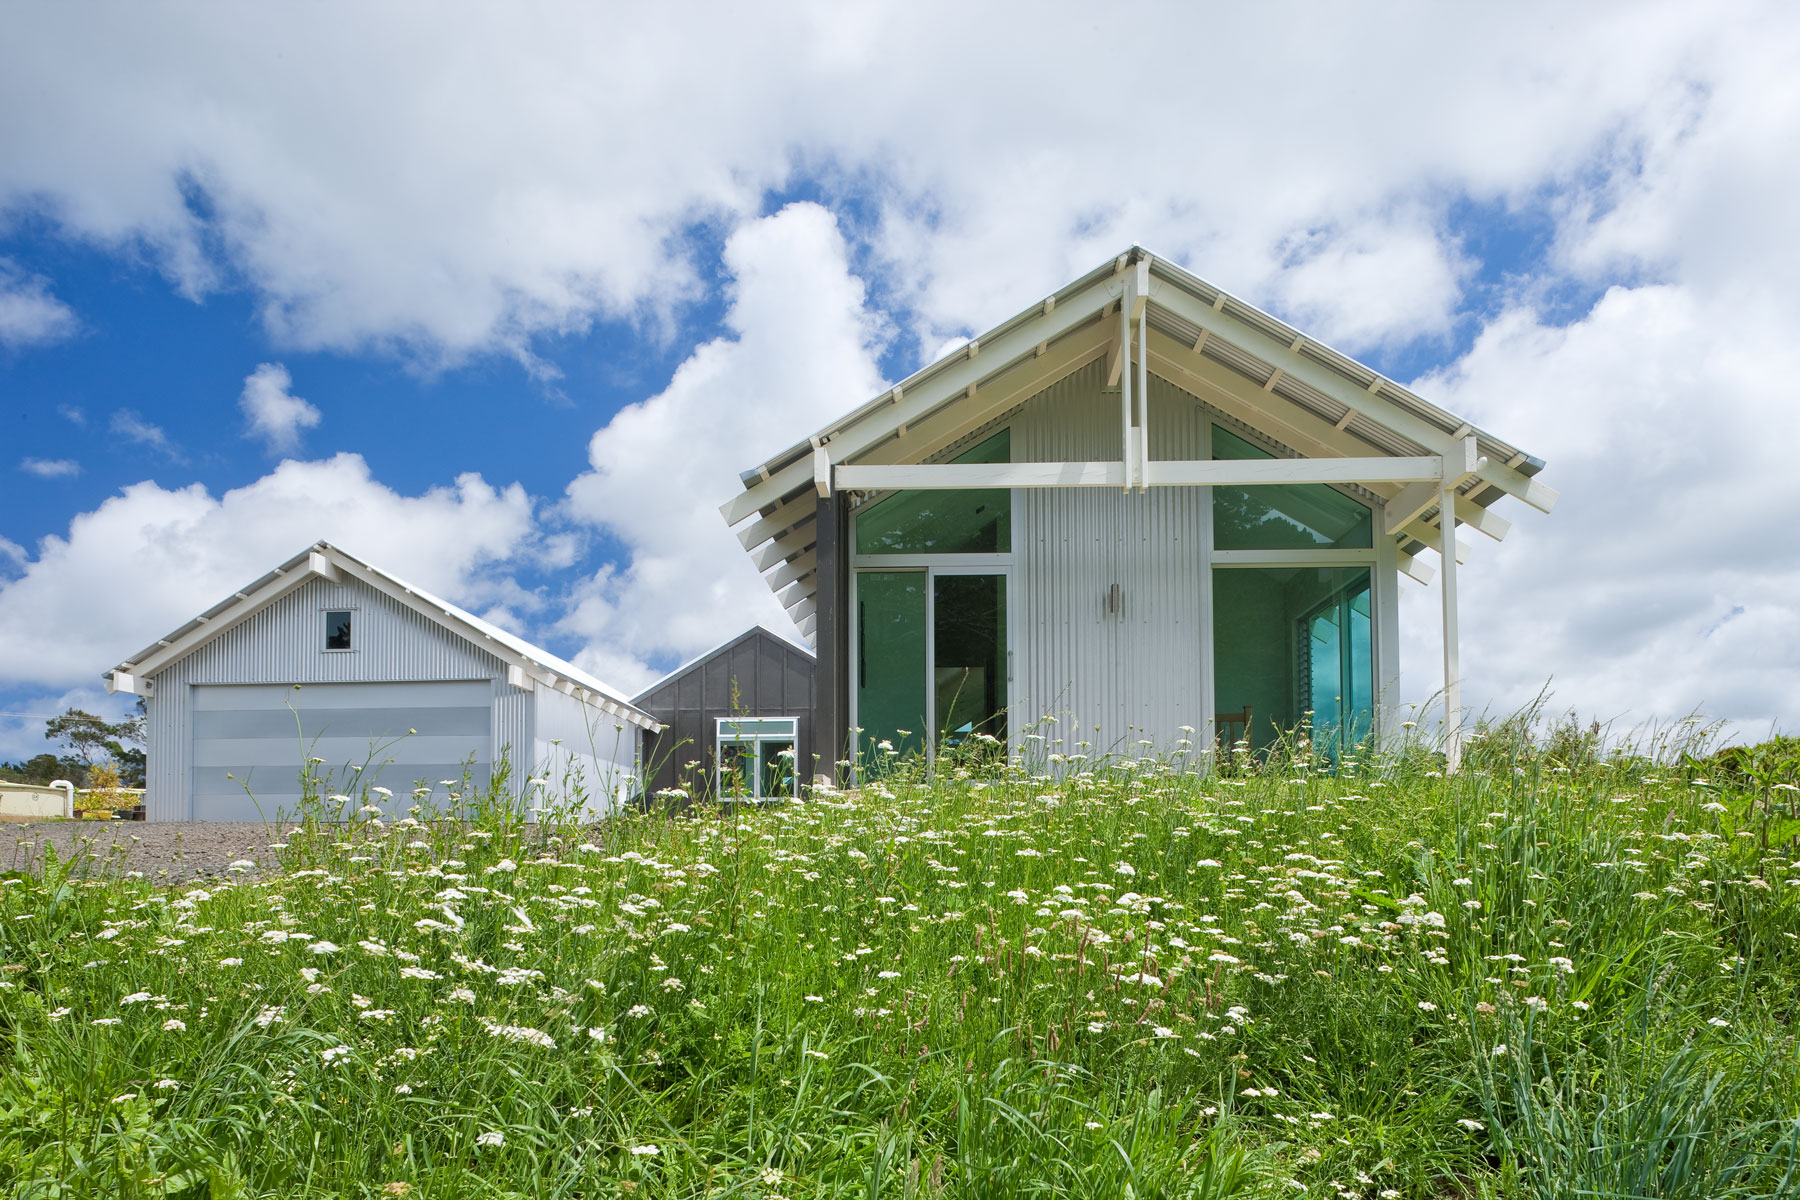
x=175, y=850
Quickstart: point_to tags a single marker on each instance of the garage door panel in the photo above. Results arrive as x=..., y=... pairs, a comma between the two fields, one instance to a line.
x=247, y=736
x=310, y=723
x=339, y=752
x=280, y=696
x=265, y=781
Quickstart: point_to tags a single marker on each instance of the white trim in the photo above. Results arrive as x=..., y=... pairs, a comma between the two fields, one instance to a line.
x=1325, y=556
x=1247, y=472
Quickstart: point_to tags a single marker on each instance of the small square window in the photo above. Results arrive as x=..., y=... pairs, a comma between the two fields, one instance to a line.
x=337, y=629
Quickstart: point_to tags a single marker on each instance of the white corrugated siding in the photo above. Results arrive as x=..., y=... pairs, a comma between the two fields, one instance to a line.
x=583, y=753
x=284, y=644
x=1108, y=679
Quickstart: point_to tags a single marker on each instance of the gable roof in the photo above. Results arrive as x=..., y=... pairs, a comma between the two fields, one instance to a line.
x=693, y=664
x=1308, y=397
x=527, y=664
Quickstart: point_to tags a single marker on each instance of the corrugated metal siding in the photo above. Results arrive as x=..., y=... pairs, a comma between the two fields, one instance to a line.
x=1108, y=679
x=583, y=753
x=774, y=679
x=284, y=643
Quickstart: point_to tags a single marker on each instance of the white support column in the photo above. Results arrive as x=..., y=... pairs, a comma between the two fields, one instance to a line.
x=1143, y=388
x=1452, y=663
x=1125, y=447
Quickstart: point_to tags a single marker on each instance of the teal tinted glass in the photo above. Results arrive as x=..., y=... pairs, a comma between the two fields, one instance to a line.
x=890, y=664
x=1286, y=516
x=1291, y=641
x=969, y=651
x=976, y=521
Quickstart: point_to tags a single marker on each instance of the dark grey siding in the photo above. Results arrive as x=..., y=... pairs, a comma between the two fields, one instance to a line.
x=757, y=674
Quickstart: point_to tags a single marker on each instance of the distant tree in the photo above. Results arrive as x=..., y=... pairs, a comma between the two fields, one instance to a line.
x=44, y=768
x=96, y=740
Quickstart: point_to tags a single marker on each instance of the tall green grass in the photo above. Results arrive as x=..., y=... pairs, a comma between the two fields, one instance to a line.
x=1096, y=979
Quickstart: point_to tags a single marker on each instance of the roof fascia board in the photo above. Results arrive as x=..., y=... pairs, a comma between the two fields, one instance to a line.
x=1186, y=304
x=1012, y=387
x=247, y=606
x=1182, y=301
x=920, y=396
x=1271, y=412
x=1252, y=472
x=540, y=674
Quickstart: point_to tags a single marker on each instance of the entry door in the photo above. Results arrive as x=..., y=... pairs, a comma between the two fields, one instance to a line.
x=931, y=660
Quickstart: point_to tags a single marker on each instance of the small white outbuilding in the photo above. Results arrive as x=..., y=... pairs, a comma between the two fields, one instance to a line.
x=330, y=664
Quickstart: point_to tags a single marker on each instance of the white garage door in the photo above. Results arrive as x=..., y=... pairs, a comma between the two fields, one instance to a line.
x=251, y=741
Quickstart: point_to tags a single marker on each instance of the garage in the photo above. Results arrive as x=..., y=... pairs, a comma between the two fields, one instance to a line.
x=250, y=742
x=330, y=661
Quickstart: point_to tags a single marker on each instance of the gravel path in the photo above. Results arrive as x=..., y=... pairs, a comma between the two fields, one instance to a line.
x=175, y=850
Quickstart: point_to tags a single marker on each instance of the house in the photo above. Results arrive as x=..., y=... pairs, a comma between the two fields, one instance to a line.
x=330, y=661
x=737, y=721
x=1141, y=511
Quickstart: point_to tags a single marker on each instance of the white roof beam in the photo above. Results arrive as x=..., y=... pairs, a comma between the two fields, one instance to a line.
x=778, y=522
x=945, y=380
x=789, y=572
x=1539, y=495
x=1316, y=375
x=1271, y=412
x=1181, y=473
x=782, y=548
x=953, y=422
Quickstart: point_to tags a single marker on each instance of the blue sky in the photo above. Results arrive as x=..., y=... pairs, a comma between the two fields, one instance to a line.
x=518, y=304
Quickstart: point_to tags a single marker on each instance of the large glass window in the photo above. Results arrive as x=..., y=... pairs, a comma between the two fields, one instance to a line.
x=914, y=692
x=756, y=757
x=1284, y=516
x=1290, y=641
x=976, y=521
x=890, y=663
x=969, y=657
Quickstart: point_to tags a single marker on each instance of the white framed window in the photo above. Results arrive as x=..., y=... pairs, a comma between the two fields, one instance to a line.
x=756, y=758
x=340, y=629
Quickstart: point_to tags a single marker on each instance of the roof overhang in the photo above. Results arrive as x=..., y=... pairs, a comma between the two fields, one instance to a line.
x=1316, y=402
x=527, y=666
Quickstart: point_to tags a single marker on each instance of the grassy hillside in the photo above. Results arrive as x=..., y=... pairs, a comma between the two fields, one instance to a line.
x=1528, y=980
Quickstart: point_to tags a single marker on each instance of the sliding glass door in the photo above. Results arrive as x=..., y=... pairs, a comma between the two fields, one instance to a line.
x=931, y=661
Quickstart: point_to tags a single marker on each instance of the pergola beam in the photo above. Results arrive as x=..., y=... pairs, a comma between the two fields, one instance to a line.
x=1169, y=472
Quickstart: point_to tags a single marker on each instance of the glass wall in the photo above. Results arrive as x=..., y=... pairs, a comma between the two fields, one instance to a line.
x=1292, y=516
x=890, y=663
x=1293, y=641
x=976, y=521
x=968, y=657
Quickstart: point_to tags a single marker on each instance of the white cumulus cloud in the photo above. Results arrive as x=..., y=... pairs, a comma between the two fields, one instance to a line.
x=150, y=558
x=800, y=349
x=29, y=314
x=272, y=412
x=50, y=468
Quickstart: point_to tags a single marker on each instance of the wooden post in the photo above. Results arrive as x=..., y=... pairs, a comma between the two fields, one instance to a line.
x=1452, y=663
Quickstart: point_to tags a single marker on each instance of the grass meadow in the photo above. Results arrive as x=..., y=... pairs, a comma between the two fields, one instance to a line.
x=1114, y=979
